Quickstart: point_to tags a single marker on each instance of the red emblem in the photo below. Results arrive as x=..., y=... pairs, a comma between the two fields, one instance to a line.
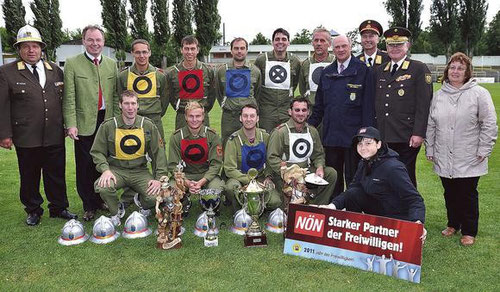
x=191, y=84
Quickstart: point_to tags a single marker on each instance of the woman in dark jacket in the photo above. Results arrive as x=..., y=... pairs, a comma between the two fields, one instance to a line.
x=381, y=185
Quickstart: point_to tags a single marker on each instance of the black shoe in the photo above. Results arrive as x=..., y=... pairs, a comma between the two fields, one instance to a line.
x=33, y=219
x=65, y=214
x=89, y=215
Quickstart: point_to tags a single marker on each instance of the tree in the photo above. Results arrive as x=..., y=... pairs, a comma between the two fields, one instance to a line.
x=13, y=14
x=304, y=37
x=260, y=39
x=181, y=21
x=163, y=48
x=492, y=37
x=443, y=24
x=472, y=22
x=415, y=8
x=114, y=19
x=405, y=13
x=49, y=24
x=207, y=19
x=139, y=25
x=353, y=35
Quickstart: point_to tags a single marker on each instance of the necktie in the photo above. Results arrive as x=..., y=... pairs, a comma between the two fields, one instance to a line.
x=370, y=61
x=35, y=72
x=100, y=102
x=394, y=68
x=341, y=68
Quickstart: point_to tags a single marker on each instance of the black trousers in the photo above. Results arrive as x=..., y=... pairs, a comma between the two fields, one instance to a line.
x=407, y=155
x=86, y=173
x=462, y=203
x=51, y=162
x=345, y=162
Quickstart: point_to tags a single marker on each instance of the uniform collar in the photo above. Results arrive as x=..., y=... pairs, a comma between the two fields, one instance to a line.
x=121, y=124
x=91, y=58
x=291, y=124
x=196, y=66
x=328, y=59
x=246, y=65
x=134, y=69
x=201, y=134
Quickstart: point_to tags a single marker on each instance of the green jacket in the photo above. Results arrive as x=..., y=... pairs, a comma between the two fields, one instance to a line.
x=276, y=101
x=173, y=86
x=104, y=150
x=211, y=167
x=304, y=87
x=81, y=92
x=279, y=147
x=236, y=103
x=232, y=155
x=156, y=105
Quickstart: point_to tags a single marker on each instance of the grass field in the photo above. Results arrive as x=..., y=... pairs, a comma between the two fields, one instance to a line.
x=32, y=260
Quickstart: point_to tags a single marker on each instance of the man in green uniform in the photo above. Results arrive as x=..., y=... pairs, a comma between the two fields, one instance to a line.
x=296, y=142
x=280, y=76
x=245, y=149
x=237, y=84
x=198, y=148
x=190, y=80
x=370, y=31
x=311, y=68
x=119, y=152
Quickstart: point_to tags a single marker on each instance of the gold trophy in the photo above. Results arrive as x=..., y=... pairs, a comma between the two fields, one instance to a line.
x=254, y=203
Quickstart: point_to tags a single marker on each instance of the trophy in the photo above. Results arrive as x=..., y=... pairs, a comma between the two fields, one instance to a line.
x=294, y=185
x=254, y=203
x=209, y=201
x=169, y=211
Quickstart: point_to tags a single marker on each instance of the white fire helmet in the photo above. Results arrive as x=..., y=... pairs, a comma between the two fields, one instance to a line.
x=28, y=33
x=241, y=222
x=104, y=231
x=201, y=226
x=72, y=233
x=276, y=221
x=136, y=226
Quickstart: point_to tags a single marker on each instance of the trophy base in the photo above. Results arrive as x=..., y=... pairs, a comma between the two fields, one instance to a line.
x=176, y=243
x=211, y=242
x=255, y=240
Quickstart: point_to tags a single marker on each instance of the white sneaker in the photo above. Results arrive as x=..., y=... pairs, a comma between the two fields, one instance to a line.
x=145, y=212
x=121, y=210
x=116, y=220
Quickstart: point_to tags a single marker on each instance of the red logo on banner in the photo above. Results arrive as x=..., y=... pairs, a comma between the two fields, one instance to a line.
x=194, y=151
x=191, y=84
x=311, y=224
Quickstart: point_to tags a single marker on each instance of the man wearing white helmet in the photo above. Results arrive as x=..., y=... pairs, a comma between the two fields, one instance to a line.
x=31, y=120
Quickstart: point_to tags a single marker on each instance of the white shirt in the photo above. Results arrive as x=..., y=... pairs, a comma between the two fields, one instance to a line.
x=345, y=63
x=370, y=56
x=92, y=57
x=41, y=71
x=400, y=62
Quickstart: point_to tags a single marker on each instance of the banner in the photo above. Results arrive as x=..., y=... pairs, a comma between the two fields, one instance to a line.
x=372, y=243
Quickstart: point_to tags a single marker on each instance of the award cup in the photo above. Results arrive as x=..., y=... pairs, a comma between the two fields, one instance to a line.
x=209, y=201
x=254, y=203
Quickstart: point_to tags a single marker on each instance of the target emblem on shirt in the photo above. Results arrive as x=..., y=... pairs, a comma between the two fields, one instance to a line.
x=191, y=83
x=301, y=148
x=255, y=158
x=316, y=74
x=194, y=152
x=238, y=82
x=277, y=74
x=142, y=85
x=130, y=144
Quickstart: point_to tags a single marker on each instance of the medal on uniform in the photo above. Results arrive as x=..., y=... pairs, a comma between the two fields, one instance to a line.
x=191, y=84
x=401, y=92
x=353, y=96
x=129, y=144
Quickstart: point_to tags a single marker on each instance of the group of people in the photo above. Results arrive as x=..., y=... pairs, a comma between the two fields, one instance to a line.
x=359, y=121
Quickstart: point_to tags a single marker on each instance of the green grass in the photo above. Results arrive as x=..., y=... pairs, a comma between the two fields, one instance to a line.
x=32, y=260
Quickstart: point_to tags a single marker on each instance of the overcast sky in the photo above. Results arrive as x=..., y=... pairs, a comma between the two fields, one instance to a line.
x=247, y=18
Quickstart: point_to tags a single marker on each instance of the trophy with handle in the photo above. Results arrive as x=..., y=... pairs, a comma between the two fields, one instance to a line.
x=209, y=201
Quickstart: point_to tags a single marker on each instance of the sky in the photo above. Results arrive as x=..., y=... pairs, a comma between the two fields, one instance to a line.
x=247, y=19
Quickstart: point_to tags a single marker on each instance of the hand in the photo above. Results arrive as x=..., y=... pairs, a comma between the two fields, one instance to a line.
x=73, y=133
x=154, y=187
x=6, y=143
x=424, y=233
x=416, y=141
x=329, y=206
x=320, y=172
x=481, y=158
x=430, y=158
x=105, y=180
x=196, y=186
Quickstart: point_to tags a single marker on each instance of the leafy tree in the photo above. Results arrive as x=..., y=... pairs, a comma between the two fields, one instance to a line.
x=304, y=37
x=472, y=23
x=260, y=39
x=139, y=25
x=13, y=14
x=207, y=19
x=48, y=22
x=162, y=50
x=405, y=13
x=443, y=24
x=492, y=37
x=415, y=8
x=181, y=21
x=353, y=35
x=114, y=19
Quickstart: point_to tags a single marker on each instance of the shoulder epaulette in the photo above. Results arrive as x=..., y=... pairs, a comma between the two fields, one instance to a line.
x=47, y=65
x=125, y=68
x=405, y=65
x=387, y=66
x=233, y=135
x=212, y=130
x=177, y=131
x=107, y=120
x=20, y=65
x=160, y=70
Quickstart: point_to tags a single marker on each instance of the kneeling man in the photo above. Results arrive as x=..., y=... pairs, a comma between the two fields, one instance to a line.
x=119, y=153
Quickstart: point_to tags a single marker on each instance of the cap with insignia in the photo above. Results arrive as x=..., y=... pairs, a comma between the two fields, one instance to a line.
x=397, y=35
x=28, y=33
x=371, y=25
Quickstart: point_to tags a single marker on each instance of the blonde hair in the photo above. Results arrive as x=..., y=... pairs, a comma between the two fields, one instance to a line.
x=191, y=105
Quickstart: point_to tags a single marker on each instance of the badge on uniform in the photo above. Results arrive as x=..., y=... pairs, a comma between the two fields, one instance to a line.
x=191, y=84
x=238, y=83
x=401, y=92
x=353, y=96
x=428, y=78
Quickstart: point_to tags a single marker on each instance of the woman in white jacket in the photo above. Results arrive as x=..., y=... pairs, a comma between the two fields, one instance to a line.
x=461, y=133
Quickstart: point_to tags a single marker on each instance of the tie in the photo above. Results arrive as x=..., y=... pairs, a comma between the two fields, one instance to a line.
x=341, y=68
x=100, y=102
x=370, y=61
x=35, y=72
x=394, y=68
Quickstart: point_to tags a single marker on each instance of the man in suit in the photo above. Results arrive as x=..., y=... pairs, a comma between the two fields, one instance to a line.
x=403, y=94
x=31, y=119
x=370, y=31
x=90, y=96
